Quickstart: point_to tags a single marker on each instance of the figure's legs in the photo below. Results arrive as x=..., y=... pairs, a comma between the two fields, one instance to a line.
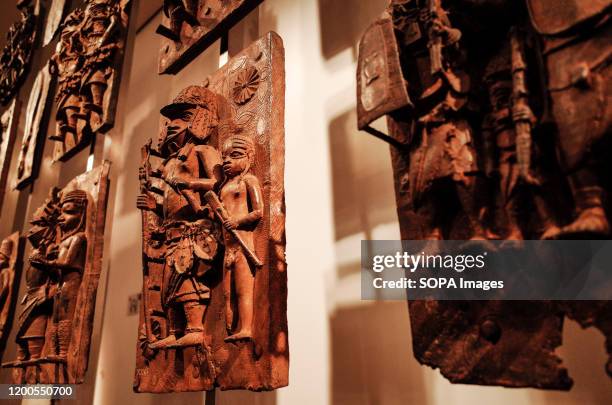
x=174, y=330
x=97, y=89
x=508, y=171
x=31, y=343
x=71, y=119
x=194, y=332
x=66, y=309
x=466, y=192
x=588, y=197
x=427, y=212
x=244, y=282
x=584, y=118
x=67, y=115
x=227, y=294
x=549, y=226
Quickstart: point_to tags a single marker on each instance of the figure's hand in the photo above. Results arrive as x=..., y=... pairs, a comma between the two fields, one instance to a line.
x=230, y=224
x=178, y=183
x=39, y=259
x=522, y=113
x=146, y=202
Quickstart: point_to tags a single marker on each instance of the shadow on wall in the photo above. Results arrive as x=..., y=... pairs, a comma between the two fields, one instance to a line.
x=362, y=180
x=337, y=33
x=372, y=361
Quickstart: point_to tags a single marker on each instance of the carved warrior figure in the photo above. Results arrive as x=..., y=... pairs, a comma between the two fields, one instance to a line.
x=430, y=88
x=66, y=63
x=186, y=224
x=58, y=307
x=86, y=63
x=507, y=143
x=17, y=53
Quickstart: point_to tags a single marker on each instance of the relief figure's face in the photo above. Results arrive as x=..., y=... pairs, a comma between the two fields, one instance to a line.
x=235, y=161
x=70, y=217
x=176, y=128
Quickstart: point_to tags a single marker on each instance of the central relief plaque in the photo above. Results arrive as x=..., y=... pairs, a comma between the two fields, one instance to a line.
x=213, y=310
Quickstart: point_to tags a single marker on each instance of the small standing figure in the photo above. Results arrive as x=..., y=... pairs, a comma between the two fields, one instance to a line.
x=242, y=197
x=508, y=144
x=186, y=226
x=68, y=267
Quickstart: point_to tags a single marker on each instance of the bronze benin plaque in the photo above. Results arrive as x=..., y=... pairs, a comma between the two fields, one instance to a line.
x=190, y=26
x=9, y=122
x=476, y=158
x=37, y=119
x=213, y=312
x=10, y=273
x=16, y=55
x=55, y=324
x=87, y=64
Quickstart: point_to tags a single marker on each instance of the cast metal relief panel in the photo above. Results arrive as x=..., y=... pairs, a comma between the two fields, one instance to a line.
x=213, y=311
x=190, y=26
x=11, y=249
x=9, y=122
x=17, y=53
x=56, y=314
x=475, y=158
x=37, y=119
x=87, y=64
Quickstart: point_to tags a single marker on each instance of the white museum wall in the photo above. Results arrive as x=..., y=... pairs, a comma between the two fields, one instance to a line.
x=338, y=191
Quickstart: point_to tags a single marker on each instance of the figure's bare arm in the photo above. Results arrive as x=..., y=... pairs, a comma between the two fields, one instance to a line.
x=255, y=196
x=114, y=24
x=210, y=160
x=71, y=257
x=147, y=202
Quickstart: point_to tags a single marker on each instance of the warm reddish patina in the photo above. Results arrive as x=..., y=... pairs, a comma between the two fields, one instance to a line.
x=88, y=63
x=212, y=200
x=57, y=311
x=499, y=119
